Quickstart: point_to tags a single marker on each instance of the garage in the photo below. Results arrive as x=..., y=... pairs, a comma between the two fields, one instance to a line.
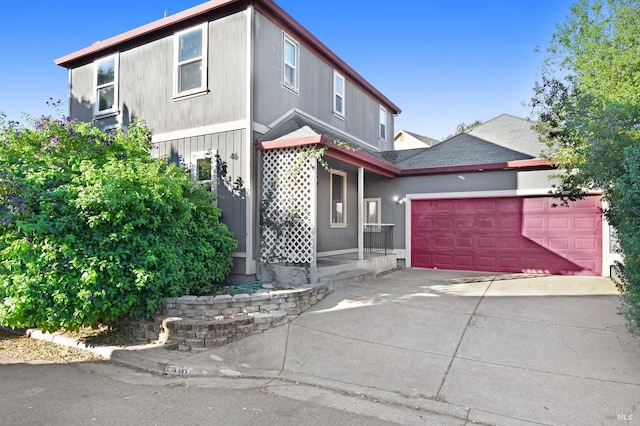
x=508, y=234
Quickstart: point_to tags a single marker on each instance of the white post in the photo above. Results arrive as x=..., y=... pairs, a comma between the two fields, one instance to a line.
x=360, y=213
x=314, y=223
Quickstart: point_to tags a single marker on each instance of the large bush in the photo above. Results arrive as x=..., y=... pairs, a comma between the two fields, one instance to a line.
x=92, y=229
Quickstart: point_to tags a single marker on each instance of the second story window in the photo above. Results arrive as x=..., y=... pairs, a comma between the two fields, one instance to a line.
x=106, y=85
x=190, y=53
x=338, y=94
x=290, y=63
x=382, y=132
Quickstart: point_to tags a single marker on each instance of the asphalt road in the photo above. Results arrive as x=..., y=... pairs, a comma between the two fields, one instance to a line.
x=101, y=393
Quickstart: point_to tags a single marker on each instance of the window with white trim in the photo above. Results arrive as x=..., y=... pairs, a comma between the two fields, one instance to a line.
x=372, y=208
x=203, y=169
x=338, y=194
x=338, y=93
x=190, y=61
x=291, y=54
x=106, y=70
x=382, y=132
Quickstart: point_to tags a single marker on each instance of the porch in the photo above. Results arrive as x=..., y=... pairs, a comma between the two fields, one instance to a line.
x=332, y=270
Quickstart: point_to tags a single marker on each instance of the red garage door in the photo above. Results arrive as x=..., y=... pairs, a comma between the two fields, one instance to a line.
x=512, y=234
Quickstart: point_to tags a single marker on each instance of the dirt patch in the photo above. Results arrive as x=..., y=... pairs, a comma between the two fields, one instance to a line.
x=16, y=349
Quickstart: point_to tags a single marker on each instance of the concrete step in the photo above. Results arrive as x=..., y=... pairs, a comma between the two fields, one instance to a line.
x=347, y=277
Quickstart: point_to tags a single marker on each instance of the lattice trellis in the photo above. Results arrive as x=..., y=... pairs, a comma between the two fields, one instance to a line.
x=289, y=176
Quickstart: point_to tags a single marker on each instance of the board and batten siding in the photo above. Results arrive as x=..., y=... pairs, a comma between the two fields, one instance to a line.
x=231, y=147
x=315, y=95
x=146, y=79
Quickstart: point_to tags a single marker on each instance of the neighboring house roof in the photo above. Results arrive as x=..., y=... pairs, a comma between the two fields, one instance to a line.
x=511, y=132
x=210, y=9
x=424, y=139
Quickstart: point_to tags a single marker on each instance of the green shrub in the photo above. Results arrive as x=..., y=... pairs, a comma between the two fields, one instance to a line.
x=92, y=229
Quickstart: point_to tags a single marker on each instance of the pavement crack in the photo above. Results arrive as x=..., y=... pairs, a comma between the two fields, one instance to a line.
x=469, y=324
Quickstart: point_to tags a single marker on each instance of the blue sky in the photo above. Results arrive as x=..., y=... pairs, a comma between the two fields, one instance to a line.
x=442, y=62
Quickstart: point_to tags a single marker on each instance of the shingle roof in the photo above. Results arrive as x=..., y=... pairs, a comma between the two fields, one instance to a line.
x=460, y=150
x=511, y=132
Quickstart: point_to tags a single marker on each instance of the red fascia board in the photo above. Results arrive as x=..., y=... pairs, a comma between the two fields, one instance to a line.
x=535, y=164
x=278, y=15
x=352, y=157
x=360, y=159
x=143, y=31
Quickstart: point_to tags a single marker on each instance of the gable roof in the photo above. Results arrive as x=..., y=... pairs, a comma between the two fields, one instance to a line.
x=213, y=8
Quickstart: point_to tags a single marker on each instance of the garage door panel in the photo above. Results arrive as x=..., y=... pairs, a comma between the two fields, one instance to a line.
x=511, y=234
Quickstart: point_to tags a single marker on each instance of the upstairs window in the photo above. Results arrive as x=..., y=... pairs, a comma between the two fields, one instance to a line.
x=106, y=85
x=290, y=78
x=338, y=191
x=338, y=94
x=190, y=54
x=382, y=132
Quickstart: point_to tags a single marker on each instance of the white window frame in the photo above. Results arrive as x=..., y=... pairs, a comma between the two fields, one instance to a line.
x=341, y=223
x=211, y=154
x=382, y=127
x=296, y=67
x=96, y=66
x=203, y=28
x=337, y=94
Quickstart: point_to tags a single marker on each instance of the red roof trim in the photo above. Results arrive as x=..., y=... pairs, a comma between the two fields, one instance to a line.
x=266, y=7
x=518, y=164
x=352, y=157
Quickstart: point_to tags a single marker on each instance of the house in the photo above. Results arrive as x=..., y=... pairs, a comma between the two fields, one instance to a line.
x=404, y=139
x=214, y=81
x=299, y=148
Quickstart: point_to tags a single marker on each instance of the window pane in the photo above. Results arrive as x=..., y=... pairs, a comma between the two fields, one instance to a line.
x=190, y=46
x=338, y=104
x=190, y=76
x=339, y=85
x=337, y=199
x=106, y=71
x=372, y=212
x=203, y=171
x=290, y=53
x=105, y=98
x=383, y=131
x=289, y=76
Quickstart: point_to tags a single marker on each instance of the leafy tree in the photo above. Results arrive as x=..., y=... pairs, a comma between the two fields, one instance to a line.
x=588, y=109
x=92, y=229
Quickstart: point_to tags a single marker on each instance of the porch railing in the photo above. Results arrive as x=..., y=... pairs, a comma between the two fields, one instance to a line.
x=378, y=237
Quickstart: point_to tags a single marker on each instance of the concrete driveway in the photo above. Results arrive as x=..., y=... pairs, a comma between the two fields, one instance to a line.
x=463, y=346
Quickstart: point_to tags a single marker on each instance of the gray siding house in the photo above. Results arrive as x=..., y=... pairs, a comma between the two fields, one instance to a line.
x=299, y=148
x=216, y=80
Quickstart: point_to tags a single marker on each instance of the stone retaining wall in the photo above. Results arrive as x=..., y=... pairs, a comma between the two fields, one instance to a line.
x=198, y=323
